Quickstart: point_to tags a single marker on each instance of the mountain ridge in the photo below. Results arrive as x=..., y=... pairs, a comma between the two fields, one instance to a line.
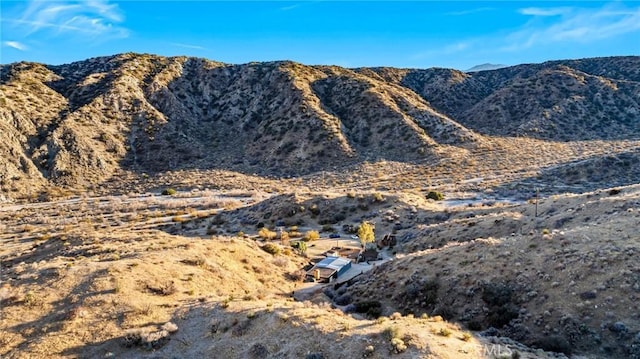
x=78, y=124
x=485, y=67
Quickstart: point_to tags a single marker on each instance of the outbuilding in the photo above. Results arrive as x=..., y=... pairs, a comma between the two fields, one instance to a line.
x=329, y=269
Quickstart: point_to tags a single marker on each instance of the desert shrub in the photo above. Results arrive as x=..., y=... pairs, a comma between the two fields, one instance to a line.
x=338, y=217
x=501, y=316
x=426, y=292
x=350, y=308
x=497, y=294
x=501, y=309
x=554, y=343
x=197, y=261
x=430, y=290
x=398, y=346
x=343, y=299
x=284, y=238
x=241, y=328
x=372, y=308
x=368, y=351
x=474, y=325
x=444, y=332
x=146, y=340
x=166, y=288
x=328, y=228
x=169, y=192
x=311, y=236
x=329, y=293
x=378, y=197
x=217, y=220
x=296, y=276
x=265, y=233
x=446, y=311
x=31, y=299
x=435, y=195
x=258, y=351
x=271, y=248
x=349, y=228
x=281, y=262
x=300, y=246
x=314, y=356
x=392, y=332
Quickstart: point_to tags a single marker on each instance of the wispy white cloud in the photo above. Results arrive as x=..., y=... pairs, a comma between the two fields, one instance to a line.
x=536, y=11
x=470, y=11
x=583, y=25
x=16, y=45
x=188, y=46
x=91, y=18
x=290, y=7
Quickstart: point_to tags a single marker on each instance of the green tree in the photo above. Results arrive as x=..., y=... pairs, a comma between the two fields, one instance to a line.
x=365, y=233
x=300, y=246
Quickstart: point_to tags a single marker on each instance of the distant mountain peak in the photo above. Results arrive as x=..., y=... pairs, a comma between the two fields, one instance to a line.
x=485, y=67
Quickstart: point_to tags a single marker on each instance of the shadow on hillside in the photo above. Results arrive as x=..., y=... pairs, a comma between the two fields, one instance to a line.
x=255, y=331
x=79, y=96
x=253, y=120
x=598, y=172
x=55, y=247
x=66, y=309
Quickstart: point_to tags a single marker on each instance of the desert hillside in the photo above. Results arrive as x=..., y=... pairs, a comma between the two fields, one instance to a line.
x=185, y=207
x=77, y=125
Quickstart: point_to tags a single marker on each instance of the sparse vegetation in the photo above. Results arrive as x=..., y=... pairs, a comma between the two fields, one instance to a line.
x=311, y=236
x=267, y=234
x=169, y=192
x=98, y=247
x=300, y=246
x=271, y=248
x=435, y=195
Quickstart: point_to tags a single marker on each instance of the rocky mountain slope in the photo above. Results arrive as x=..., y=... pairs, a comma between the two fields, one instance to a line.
x=557, y=100
x=563, y=277
x=79, y=124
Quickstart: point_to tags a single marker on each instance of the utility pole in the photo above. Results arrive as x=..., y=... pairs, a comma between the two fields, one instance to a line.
x=537, y=198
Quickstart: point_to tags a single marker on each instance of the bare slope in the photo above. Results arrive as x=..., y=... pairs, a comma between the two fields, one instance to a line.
x=557, y=100
x=78, y=124
x=567, y=280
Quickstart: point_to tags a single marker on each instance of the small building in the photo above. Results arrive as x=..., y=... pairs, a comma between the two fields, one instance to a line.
x=389, y=240
x=328, y=269
x=368, y=255
x=345, y=252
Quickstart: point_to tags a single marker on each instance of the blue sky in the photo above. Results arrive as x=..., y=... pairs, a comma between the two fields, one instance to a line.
x=417, y=34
